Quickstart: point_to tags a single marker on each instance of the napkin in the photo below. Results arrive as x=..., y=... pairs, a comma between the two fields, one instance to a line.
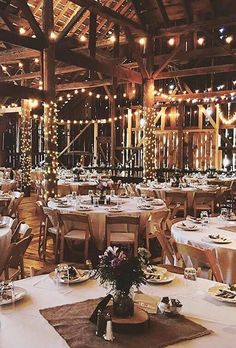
x=147, y=302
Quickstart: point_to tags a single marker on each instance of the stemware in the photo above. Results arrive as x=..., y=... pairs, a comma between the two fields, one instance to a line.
x=224, y=213
x=204, y=218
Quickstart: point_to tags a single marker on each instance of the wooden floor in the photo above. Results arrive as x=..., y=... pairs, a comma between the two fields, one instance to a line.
x=28, y=214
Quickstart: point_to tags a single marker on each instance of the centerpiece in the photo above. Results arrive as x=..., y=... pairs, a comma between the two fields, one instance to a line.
x=102, y=187
x=122, y=272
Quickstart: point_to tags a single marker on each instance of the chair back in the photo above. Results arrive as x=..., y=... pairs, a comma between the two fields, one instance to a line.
x=84, y=189
x=39, y=210
x=52, y=216
x=22, y=230
x=167, y=248
x=16, y=202
x=158, y=219
x=63, y=190
x=204, y=197
x=75, y=221
x=174, y=197
x=203, y=256
x=18, y=252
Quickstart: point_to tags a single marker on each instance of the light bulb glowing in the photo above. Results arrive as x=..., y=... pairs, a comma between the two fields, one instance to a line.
x=171, y=41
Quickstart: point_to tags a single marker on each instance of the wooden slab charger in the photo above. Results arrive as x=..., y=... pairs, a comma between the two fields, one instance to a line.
x=140, y=320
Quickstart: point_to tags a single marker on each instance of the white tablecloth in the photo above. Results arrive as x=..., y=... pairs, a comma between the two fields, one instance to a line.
x=98, y=215
x=5, y=240
x=225, y=253
x=24, y=327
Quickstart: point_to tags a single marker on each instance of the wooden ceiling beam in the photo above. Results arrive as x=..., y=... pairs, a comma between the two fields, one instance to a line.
x=200, y=25
x=71, y=23
x=105, y=67
x=83, y=84
x=109, y=14
x=206, y=70
x=15, y=91
x=136, y=53
x=188, y=13
x=22, y=4
x=20, y=40
x=191, y=96
x=163, y=13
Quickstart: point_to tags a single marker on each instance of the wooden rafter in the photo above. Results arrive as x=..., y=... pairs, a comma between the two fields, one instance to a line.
x=20, y=40
x=111, y=15
x=22, y=4
x=163, y=13
x=14, y=91
x=76, y=58
x=136, y=53
x=71, y=23
x=188, y=13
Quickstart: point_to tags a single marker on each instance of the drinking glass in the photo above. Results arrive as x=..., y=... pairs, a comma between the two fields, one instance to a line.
x=90, y=193
x=74, y=194
x=112, y=193
x=96, y=202
x=204, y=218
x=223, y=213
x=7, y=294
x=62, y=277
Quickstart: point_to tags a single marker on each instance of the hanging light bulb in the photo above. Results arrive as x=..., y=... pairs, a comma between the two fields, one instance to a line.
x=201, y=41
x=112, y=38
x=82, y=38
x=171, y=41
x=22, y=31
x=142, y=41
x=229, y=39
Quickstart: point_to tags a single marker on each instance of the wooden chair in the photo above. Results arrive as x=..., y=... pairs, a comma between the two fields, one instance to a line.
x=156, y=222
x=123, y=230
x=172, y=268
x=168, y=249
x=42, y=217
x=63, y=190
x=200, y=257
x=14, y=209
x=22, y=230
x=204, y=201
x=52, y=229
x=13, y=264
x=172, y=198
x=74, y=227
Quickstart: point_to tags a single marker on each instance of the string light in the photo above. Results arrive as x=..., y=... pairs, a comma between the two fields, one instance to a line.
x=224, y=120
x=171, y=41
x=142, y=41
x=82, y=38
x=201, y=41
x=22, y=31
x=229, y=39
x=112, y=38
x=53, y=35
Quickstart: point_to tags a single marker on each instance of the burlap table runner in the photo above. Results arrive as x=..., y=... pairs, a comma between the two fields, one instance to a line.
x=72, y=323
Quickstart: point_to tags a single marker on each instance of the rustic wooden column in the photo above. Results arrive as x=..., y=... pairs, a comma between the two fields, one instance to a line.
x=26, y=146
x=180, y=137
x=95, y=143
x=113, y=130
x=50, y=124
x=149, y=131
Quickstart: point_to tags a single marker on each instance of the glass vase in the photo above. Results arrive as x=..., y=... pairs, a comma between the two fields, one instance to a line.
x=123, y=305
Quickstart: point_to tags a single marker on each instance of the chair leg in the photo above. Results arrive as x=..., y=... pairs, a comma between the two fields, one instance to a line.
x=86, y=249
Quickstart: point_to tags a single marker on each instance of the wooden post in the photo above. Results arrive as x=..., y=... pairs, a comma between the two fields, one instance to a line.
x=113, y=131
x=50, y=124
x=26, y=146
x=95, y=143
x=180, y=137
x=149, y=130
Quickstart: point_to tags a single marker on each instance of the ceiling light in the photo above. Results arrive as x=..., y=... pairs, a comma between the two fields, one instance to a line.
x=36, y=60
x=171, y=41
x=82, y=38
x=142, y=41
x=22, y=31
x=201, y=41
x=229, y=39
x=112, y=38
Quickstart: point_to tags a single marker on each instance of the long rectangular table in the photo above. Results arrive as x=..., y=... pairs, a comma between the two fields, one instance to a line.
x=24, y=327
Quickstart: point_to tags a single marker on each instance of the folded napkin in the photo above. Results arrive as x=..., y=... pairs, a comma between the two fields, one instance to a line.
x=147, y=302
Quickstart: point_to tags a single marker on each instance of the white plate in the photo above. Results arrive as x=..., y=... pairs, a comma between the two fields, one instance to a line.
x=213, y=291
x=157, y=202
x=220, y=241
x=165, y=278
x=145, y=207
x=63, y=205
x=188, y=227
x=77, y=279
x=84, y=208
x=115, y=210
x=19, y=294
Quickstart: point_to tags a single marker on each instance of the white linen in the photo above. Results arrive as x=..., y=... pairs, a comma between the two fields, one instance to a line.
x=225, y=253
x=24, y=327
x=98, y=214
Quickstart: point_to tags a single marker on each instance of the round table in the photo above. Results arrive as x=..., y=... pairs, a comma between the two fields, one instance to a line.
x=225, y=253
x=25, y=327
x=98, y=215
x=5, y=240
x=160, y=191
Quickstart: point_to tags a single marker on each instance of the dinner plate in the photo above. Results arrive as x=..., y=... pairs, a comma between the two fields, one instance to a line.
x=165, y=278
x=84, y=208
x=81, y=277
x=145, y=207
x=63, y=205
x=188, y=227
x=157, y=202
x=218, y=289
x=2, y=225
x=220, y=240
x=19, y=294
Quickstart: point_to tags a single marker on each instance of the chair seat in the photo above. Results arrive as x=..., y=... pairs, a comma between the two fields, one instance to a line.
x=202, y=206
x=53, y=230
x=122, y=237
x=173, y=205
x=76, y=234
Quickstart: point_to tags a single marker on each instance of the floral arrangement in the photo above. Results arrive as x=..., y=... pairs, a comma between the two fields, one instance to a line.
x=102, y=186
x=120, y=271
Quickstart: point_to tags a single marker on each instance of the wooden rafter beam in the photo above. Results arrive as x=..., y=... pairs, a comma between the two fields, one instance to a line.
x=105, y=67
x=195, y=26
x=83, y=84
x=190, y=96
x=163, y=13
x=136, y=53
x=71, y=24
x=22, y=4
x=20, y=40
x=216, y=69
x=188, y=13
x=167, y=61
x=15, y=91
x=109, y=14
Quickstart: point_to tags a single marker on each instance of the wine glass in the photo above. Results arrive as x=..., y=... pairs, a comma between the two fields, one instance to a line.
x=204, y=218
x=223, y=213
x=112, y=193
